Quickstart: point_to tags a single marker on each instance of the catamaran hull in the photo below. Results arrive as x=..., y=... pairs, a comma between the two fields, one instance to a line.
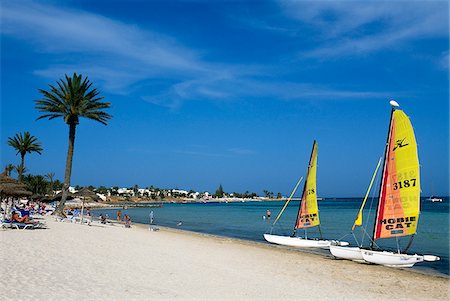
x=349, y=253
x=300, y=242
x=391, y=259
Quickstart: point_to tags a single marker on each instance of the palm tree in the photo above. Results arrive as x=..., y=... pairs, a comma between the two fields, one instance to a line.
x=20, y=170
x=24, y=143
x=50, y=176
x=36, y=184
x=8, y=169
x=71, y=99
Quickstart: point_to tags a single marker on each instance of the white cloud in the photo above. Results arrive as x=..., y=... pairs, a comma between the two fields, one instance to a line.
x=104, y=43
x=361, y=27
x=123, y=57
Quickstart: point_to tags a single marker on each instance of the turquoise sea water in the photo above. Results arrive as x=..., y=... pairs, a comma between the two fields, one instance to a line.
x=245, y=220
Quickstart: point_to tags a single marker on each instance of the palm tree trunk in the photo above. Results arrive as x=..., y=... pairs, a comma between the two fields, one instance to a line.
x=65, y=189
x=22, y=165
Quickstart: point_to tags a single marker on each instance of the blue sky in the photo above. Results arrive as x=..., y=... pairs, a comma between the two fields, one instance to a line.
x=230, y=92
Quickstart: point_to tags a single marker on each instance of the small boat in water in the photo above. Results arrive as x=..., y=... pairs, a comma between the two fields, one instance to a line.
x=434, y=199
x=308, y=214
x=398, y=201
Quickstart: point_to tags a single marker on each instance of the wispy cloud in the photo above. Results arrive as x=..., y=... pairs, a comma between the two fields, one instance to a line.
x=109, y=49
x=125, y=58
x=203, y=151
x=250, y=89
x=362, y=27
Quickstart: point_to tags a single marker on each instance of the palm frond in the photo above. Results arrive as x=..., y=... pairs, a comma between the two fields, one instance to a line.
x=72, y=98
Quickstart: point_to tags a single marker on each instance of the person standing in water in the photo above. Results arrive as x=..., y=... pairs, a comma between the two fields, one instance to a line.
x=151, y=217
x=268, y=214
x=119, y=215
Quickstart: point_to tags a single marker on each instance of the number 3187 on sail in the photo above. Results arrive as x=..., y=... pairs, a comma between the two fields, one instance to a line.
x=405, y=184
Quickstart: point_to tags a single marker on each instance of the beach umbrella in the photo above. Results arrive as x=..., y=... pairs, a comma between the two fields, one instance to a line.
x=46, y=199
x=37, y=197
x=86, y=193
x=10, y=188
x=13, y=190
x=58, y=196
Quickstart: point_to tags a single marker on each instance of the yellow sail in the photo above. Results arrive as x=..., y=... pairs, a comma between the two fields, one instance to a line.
x=308, y=215
x=399, y=200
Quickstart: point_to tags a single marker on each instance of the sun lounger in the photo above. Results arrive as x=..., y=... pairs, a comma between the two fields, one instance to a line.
x=6, y=223
x=25, y=226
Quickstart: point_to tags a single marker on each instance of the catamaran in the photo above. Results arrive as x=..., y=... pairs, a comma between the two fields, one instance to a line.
x=308, y=213
x=398, y=200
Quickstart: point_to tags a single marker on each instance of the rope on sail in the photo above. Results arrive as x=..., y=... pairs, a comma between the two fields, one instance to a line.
x=409, y=244
x=369, y=216
x=287, y=202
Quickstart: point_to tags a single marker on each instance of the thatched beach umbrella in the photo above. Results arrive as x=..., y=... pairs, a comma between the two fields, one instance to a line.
x=13, y=190
x=85, y=193
x=58, y=196
x=37, y=197
x=10, y=188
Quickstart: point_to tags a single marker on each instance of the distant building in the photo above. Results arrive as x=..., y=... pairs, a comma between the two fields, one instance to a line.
x=125, y=191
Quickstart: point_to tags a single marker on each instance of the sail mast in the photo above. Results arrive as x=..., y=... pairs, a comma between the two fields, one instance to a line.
x=393, y=104
x=304, y=187
x=358, y=220
x=287, y=202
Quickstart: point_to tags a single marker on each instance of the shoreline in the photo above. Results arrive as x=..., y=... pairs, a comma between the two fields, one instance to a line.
x=156, y=203
x=71, y=261
x=143, y=204
x=322, y=253
x=319, y=252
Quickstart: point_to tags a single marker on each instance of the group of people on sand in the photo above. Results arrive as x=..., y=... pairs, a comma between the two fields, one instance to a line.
x=21, y=213
x=103, y=218
x=126, y=219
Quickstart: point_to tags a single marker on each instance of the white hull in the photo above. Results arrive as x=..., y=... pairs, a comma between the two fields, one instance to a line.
x=435, y=200
x=300, y=242
x=391, y=259
x=349, y=253
x=385, y=258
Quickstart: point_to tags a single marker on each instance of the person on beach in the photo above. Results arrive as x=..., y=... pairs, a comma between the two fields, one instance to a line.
x=16, y=218
x=119, y=215
x=102, y=218
x=127, y=221
x=151, y=217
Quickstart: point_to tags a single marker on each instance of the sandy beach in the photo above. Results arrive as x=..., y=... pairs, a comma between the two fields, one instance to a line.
x=70, y=261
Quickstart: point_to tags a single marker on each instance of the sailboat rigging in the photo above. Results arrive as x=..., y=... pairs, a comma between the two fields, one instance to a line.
x=398, y=200
x=308, y=213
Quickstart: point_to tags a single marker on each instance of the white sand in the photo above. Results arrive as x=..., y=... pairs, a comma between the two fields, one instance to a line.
x=78, y=262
